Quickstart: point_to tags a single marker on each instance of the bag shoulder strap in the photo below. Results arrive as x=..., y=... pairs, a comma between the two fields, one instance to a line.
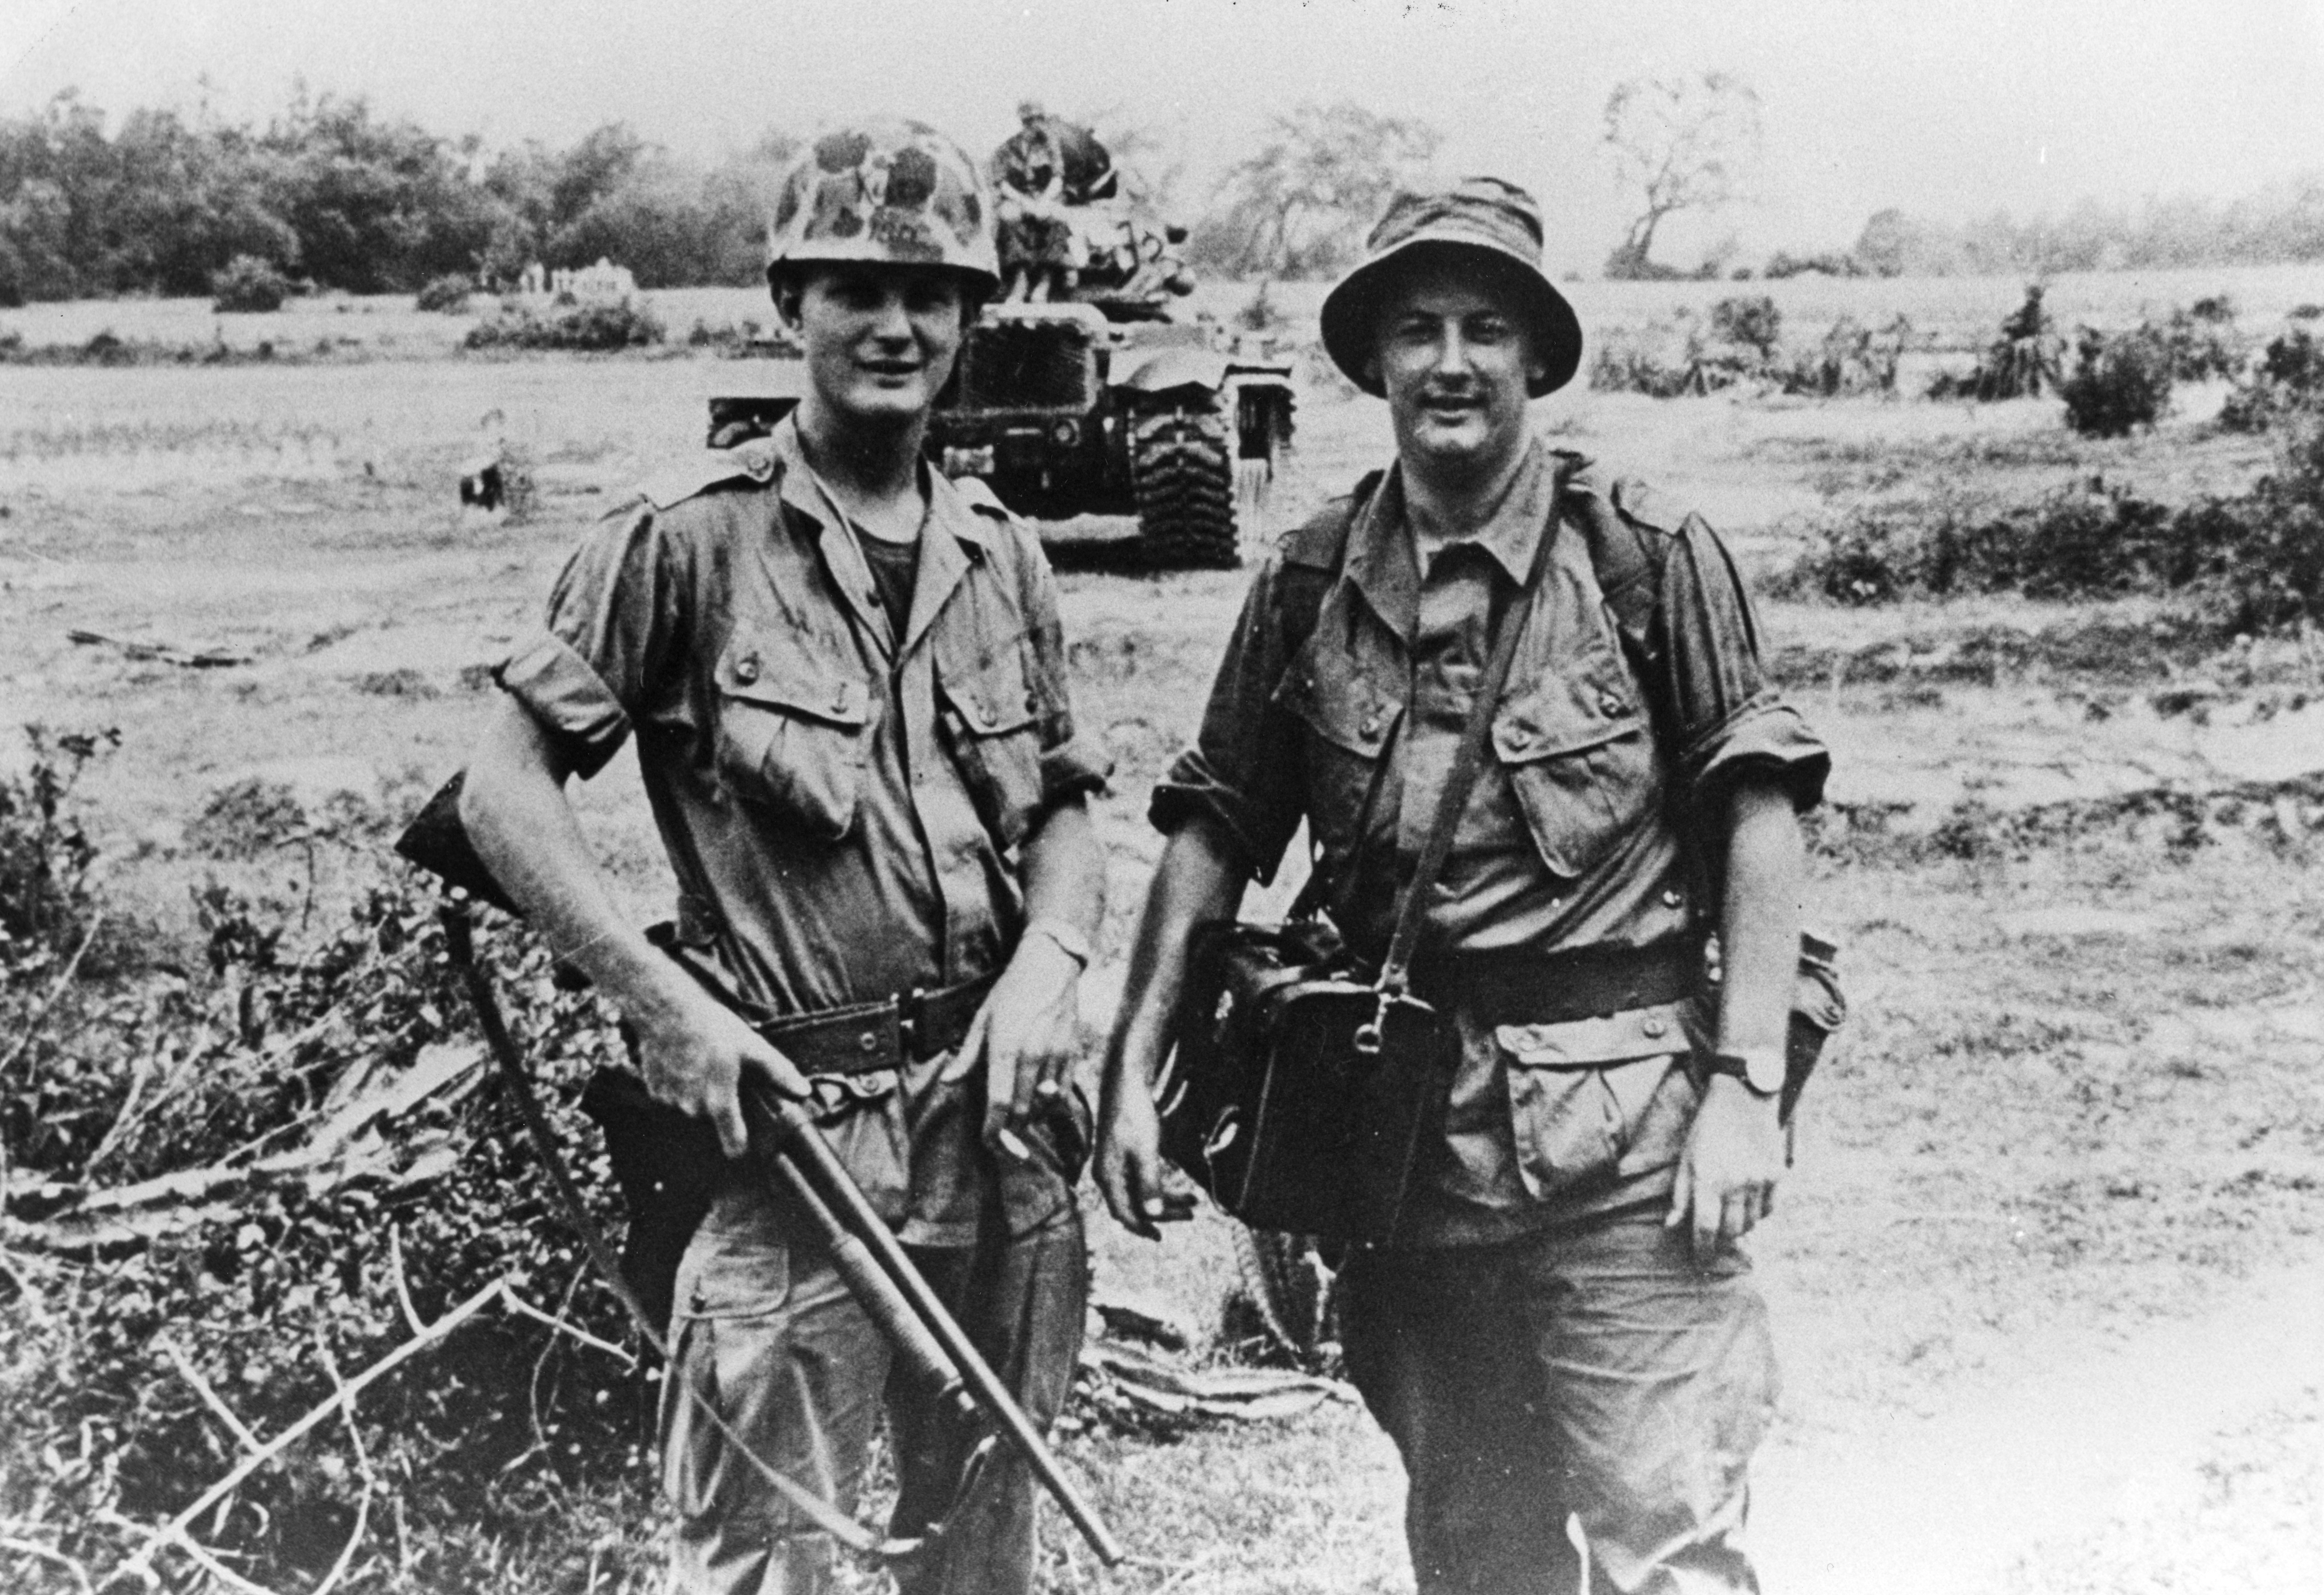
x=1453, y=801
x=1619, y=556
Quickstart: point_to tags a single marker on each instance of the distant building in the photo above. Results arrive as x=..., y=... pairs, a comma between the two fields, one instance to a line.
x=604, y=281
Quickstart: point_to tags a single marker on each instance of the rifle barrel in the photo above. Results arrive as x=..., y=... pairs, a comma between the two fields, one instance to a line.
x=787, y=1125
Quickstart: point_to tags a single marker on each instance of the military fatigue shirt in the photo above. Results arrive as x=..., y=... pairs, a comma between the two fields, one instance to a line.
x=1604, y=757
x=842, y=802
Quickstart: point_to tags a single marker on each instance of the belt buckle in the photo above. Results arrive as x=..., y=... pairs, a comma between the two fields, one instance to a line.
x=911, y=1016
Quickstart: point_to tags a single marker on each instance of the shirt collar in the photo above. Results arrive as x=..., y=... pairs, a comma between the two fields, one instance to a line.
x=948, y=509
x=1384, y=564
x=947, y=536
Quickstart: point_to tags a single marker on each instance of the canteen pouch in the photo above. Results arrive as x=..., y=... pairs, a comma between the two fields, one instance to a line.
x=1274, y=1102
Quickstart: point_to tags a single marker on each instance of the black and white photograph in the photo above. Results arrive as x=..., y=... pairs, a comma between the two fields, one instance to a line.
x=1162, y=798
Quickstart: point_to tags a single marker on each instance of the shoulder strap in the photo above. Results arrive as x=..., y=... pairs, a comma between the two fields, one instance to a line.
x=1625, y=570
x=1455, y=799
x=1312, y=556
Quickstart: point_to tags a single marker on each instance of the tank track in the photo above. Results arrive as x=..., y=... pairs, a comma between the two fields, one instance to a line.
x=1182, y=473
x=1290, y=1289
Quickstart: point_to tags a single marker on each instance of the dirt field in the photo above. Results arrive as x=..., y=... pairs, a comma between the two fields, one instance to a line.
x=2049, y=1277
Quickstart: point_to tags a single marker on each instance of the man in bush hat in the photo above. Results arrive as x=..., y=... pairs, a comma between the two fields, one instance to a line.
x=1563, y=1337
x=847, y=685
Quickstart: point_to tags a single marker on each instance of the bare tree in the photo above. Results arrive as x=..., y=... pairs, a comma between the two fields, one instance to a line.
x=1684, y=145
x=1299, y=206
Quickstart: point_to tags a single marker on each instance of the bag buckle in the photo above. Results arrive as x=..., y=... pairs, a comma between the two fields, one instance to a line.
x=1369, y=1033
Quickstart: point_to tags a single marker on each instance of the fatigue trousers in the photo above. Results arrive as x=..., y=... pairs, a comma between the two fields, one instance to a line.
x=1595, y=1373
x=766, y=1330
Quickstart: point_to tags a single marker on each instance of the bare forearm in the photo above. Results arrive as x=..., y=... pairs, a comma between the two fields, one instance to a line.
x=1759, y=929
x=1064, y=870
x=1199, y=878
x=513, y=806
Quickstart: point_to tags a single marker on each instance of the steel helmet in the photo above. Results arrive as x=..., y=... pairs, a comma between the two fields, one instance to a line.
x=891, y=190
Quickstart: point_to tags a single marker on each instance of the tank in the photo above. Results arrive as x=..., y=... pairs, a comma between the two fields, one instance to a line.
x=1103, y=404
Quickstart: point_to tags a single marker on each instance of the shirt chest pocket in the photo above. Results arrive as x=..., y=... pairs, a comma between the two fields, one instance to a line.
x=991, y=718
x=1351, y=715
x=793, y=730
x=1579, y=755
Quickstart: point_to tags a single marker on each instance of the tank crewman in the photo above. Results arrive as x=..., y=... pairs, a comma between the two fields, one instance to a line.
x=1568, y=1350
x=846, y=680
x=1048, y=165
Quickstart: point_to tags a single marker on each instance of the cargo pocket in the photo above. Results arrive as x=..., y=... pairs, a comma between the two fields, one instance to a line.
x=1580, y=1090
x=861, y=1116
x=1580, y=756
x=791, y=723
x=727, y=1335
x=991, y=719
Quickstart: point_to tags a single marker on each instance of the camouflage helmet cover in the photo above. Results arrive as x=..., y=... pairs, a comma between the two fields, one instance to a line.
x=893, y=192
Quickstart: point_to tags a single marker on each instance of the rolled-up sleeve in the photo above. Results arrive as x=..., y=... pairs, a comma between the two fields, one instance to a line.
x=604, y=648
x=1073, y=763
x=1728, y=719
x=1243, y=770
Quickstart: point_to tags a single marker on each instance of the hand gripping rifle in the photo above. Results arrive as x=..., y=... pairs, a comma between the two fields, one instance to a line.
x=790, y=1149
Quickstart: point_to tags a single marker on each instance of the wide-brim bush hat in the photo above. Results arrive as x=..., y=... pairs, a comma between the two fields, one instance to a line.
x=891, y=191
x=1478, y=215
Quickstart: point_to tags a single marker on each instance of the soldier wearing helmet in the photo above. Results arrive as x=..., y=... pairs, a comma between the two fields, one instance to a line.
x=846, y=680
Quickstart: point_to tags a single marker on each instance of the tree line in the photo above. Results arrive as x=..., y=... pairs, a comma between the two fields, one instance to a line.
x=335, y=193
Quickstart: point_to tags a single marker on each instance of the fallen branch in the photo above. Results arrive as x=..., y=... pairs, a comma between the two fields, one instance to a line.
x=363, y=1464
x=517, y=1303
x=1246, y=1394
x=402, y=1290
x=207, y=658
x=42, y=1554
x=175, y=1530
x=342, y=1149
x=211, y=1397
x=56, y=990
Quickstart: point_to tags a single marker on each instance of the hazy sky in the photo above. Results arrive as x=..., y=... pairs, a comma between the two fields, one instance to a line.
x=1949, y=107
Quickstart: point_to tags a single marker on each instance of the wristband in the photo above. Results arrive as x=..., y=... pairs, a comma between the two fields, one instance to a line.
x=1072, y=942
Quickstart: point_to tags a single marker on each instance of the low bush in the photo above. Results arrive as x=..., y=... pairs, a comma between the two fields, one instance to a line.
x=2288, y=381
x=447, y=294
x=593, y=325
x=2248, y=562
x=109, y=347
x=1829, y=263
x=1852, y=359
x=1748, y=321
x=116, y=1356
x=2203, y=342
x=248, y=285
x=2121, y=383
x=1669, y=359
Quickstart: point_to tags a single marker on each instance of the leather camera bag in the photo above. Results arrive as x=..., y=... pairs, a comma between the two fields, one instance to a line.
x=1304, y=1088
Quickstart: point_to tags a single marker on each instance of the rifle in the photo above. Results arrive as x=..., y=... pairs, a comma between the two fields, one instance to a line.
x=791, y=1151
